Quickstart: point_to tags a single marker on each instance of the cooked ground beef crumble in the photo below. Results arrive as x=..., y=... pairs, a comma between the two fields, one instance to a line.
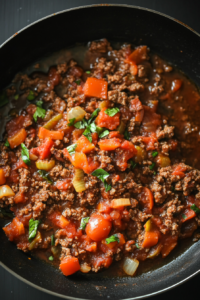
x=100, y=171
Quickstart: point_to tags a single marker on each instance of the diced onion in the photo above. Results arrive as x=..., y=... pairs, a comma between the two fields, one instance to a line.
x=103, y=104
x=76, y=112
x=120, y=202
x=33, y=156
x=78, y=181
x=130, y=266
x=45, y=164
x=121, y=128
x=55, y=250
x=35, y=241
x=85, y=268
x=141, y=154
x=6, y=191
x=155, y=251
x=52, y=122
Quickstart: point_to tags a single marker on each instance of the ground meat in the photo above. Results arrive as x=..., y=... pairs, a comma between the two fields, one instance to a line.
x=100, y=46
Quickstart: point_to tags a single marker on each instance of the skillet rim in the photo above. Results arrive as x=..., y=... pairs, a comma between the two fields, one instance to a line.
x=55, y=14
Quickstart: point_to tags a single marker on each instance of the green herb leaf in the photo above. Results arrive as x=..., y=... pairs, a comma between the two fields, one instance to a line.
x=71, y=149
x=7, y=143
x=78, y=81
x=184, y=216
x=137, y=246
x=92, y=127
x=104, y=133
x=51, y=258
x=81, y=124
x=154, y=153
x=3, y=99
x=45, y=175
x=112, y=238
x=25, y=155
x=126, y=134
x=31, y=96
x=195, y=208
x=87, y=134
x=89, y=138
x=102, y=175
x=154, y=173
x=6, y=213
x=39, y=113
x=52, y=240
x=173, y=188
x=133, y=164
x=39, y=103
x=71, y=122
x=112, y=111
x=33, y=226
x=152, y=166
x=87, y=72
x=84, y=221
x=94, y=114
x=16, y=97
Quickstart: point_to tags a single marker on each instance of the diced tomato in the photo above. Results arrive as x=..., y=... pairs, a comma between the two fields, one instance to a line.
x=84, y=145
x=169, y=243
x=54, y=135
x=135, y=104
x=149, y=141
x=109, y=144
x=44, y=150
x=96, y=88
x=115, y=134
x=188, y=214
x=18, y=138
x=102, y=260
x=19, y=197
x=179, y=171
x=146, y=200
x=150, y=239
x=18, y=123
x=98, y=227
x=14, y=176
x=92, y=247
x=2, y=177
x=19, y=164
x=104, y=207
x=69, y=265
x=14, y=229
x=176, y=85
x=103, y=120
x=113, y=245
x=95, y=138
x=151, y=120
x=63, y=184
x=57, y=219
x=138, y=55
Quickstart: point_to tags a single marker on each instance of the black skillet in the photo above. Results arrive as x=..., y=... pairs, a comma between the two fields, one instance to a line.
x=175, y=42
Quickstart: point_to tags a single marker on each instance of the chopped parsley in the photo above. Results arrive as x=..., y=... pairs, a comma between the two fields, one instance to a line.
x=126, y=134
x=137, y=246
x=40, y=112
x=33, y=226
x=25, y=155
x=112, y=238
x=111, y=112
x=31, y=96
x=94, y=114
x=154, y=153
x=84, y=222
x=78, y=81
x=7, y=143
x=104, y=133
x=184, y=216
x=102, y=175
x=154, y=173
x=16, y=97
x=45, y=175
x=71, y=122
x=195, y=208
x=71, y=149
x=3, y=99
x=87, y=72
x=133, y=164
x=51, y=258
x=152, y=166
x=81, y=124
x=52, y=240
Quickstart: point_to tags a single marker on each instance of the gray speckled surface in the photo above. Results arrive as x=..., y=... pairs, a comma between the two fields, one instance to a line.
x=14, y=15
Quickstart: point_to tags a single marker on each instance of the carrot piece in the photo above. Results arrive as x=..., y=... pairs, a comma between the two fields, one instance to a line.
x=188, y=214
x=109, y=144
x=103, y=120
x=54, y=135
x=63, y=184
x=138, y=55
x=96, y=88
x=2, y=177
x=146, y=200
x=92, y=247
x=57, y=219
x=69, y=265
x=17, y=138
x=14, y=229
x=179, y=171
x=84, y=145
x=19, y=197
x=150, y=239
